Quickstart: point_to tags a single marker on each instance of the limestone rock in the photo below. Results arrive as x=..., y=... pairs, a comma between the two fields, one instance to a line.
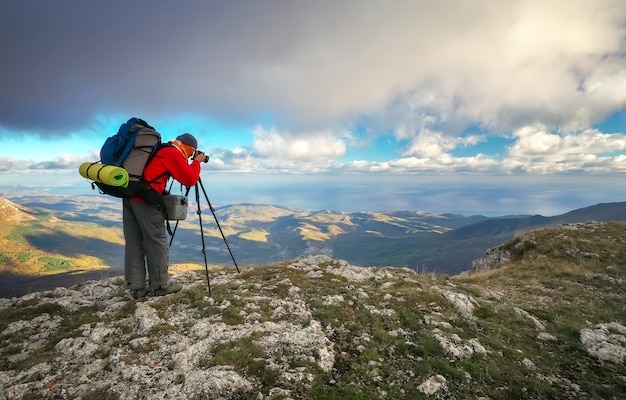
x=606, y=342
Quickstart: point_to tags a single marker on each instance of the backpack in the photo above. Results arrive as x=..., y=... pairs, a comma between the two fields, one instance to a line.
x=131, y=148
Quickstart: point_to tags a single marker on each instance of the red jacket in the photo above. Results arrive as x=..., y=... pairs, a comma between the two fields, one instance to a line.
x=168, y=162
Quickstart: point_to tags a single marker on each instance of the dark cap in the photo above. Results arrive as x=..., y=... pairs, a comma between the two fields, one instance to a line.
x=188, y=139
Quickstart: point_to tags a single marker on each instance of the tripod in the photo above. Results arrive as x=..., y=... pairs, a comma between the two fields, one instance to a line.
x=199, y=212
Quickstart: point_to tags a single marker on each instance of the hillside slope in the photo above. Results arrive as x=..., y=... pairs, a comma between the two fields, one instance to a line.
x=37, y=243
x=10, y=211
x=548, y=324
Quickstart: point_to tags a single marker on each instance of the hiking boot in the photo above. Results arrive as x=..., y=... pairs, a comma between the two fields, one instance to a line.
x=139, y=293
x=172, y=288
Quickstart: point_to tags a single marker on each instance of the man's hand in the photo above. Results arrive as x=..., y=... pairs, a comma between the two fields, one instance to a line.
x=201, y=157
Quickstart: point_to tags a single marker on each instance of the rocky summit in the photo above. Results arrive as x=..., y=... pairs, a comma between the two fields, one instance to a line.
x=547, y=323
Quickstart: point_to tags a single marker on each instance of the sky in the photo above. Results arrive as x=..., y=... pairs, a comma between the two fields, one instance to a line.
x=473, y=107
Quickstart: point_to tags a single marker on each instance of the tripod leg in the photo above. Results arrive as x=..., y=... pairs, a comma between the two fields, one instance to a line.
x=216, y=221
x=206, y=265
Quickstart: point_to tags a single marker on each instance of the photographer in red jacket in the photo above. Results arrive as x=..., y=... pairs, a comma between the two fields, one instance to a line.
x=146, y=248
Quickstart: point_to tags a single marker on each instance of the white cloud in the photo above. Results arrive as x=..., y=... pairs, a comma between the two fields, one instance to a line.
x=10, y=164
x=435, y=144
x=538, y=151
x=317, y=145
x=243, y=160
x=64, y=161
x=510, y=64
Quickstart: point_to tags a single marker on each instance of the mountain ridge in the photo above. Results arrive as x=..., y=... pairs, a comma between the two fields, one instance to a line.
x=602, y=212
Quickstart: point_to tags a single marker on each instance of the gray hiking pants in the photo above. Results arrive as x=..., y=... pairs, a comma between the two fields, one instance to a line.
x=146, y=246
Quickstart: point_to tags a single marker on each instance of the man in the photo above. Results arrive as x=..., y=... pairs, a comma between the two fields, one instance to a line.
x=144, y=224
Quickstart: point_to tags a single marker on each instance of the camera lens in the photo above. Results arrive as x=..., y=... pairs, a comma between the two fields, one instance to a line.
x=206, y=158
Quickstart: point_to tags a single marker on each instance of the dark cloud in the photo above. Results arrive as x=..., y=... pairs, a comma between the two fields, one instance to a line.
x=308, y=63
x=66, y=61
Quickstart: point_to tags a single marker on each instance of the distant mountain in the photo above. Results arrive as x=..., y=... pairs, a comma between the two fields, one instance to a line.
x=599, y=212
x=496, y=227
x=84, y=233
x=603, y=212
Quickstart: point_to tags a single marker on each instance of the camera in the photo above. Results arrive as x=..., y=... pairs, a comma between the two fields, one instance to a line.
x=206, y=158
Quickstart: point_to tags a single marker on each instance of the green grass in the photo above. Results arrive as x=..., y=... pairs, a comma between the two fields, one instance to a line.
x=56, y=264
x=245, y=355
x=4, y=259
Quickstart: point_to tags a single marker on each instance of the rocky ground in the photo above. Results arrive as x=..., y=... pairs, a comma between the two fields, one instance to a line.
x=316, y=328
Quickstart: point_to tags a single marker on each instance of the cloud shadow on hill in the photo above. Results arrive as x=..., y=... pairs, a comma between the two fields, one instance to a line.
x=67, y=245
x=18, y=285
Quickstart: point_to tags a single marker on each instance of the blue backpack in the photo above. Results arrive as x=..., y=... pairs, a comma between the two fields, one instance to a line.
x=117, y=149
x=131, y=148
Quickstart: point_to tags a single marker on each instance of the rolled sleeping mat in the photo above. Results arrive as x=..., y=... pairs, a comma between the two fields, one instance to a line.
x=107, y=174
